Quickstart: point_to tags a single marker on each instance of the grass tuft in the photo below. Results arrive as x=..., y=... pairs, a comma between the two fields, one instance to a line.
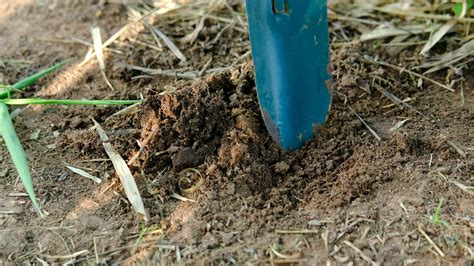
x=436, y=218
x=22, y=84
x=17, y=154
x=7, y=130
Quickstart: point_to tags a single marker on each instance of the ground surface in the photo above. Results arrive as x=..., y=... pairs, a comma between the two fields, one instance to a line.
x=346, y=197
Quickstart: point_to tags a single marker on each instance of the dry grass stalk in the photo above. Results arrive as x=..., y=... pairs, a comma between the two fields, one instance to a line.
x=124, y=173
x=438, y=250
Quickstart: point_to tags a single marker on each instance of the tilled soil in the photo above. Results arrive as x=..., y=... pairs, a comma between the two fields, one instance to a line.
x=345, y=197
x=215, y=128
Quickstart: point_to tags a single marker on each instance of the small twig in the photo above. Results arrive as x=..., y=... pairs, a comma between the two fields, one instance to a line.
x=169, y=73
x=13, y=194
x=107, y=80
x=404, y=208
x=97, y=41
x=146, y=44
x=406, y=100
x=361, y=254
x=297, y=231
x=242, y=57
x=431, y=241
x=95, y=252
x=284, y=256
x=129, y=110
x=334, y=16
x=171, y=45
x=201, y=72
x=467, y=189
x=366, y=125
x=56, y=40
x=423, y=15
x=181, y=198
x=11, y=211
x=144, y=143
x=219, y=34
x=65, y=257
x=409, y=72
x=287, y=261
x=90, y=45
x=458, y=150
x=397, y=100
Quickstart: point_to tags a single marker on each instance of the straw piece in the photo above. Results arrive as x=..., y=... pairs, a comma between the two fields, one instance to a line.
x=123, y=172
x=168, y=43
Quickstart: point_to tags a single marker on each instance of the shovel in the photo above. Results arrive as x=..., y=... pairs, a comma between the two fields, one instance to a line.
x=290, y=49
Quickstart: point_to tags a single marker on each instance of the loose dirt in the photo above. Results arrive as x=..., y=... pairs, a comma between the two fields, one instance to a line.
x=345, y=197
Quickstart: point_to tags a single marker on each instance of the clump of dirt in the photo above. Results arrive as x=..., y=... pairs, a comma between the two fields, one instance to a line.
x=213, y=125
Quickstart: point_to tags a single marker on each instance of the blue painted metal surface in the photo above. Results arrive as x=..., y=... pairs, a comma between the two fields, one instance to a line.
x=290, y=48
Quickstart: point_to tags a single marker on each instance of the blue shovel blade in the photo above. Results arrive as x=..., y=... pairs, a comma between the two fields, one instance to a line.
x=290, y=48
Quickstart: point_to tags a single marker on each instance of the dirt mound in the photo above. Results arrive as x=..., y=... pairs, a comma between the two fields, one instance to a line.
x=215, y=127
x=206, y=140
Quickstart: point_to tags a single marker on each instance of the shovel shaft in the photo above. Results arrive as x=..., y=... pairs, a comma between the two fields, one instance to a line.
x=290, y=48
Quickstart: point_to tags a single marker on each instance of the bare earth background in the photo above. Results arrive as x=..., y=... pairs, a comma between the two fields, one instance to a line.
x=344, y=198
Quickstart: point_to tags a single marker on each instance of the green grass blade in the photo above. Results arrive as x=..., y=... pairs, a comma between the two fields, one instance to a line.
x=17, y=154
x=68, y=102
x=437, y=214
x=457, y=8
x=22, y=84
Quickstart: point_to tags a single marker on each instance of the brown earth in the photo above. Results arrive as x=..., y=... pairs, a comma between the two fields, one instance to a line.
x=345, y=197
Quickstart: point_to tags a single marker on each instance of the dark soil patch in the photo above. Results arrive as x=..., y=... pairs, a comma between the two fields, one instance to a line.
x=213, y=126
